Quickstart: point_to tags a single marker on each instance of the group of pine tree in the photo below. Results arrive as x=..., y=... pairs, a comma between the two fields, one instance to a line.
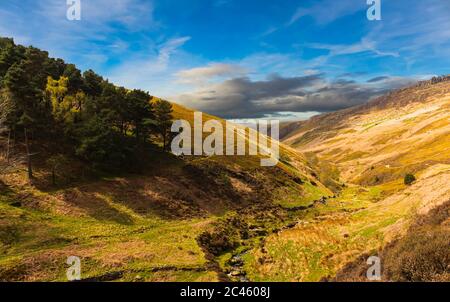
x=44, y=99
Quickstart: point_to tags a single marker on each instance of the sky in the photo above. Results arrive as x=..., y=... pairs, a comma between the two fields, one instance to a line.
x=244, y=59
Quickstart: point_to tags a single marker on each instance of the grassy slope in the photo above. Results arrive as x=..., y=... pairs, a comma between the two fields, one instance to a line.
x=404, y=132
x=359, y=221
x=112, y=224
x=421, y=255
x=372, y=146
x=137, y=227
x=291, y=162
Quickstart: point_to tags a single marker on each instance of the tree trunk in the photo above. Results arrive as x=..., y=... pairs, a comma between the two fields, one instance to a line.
x=137, y=133
x=13, y=145
x=53, y=177
x=164, y=141
x=27, y=146
x=7, y=147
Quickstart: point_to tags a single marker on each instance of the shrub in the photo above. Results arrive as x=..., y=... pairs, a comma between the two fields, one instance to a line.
x=409, y=179
x=420, y=256
x=9, y=233
x=226, y=236
x=217, y=243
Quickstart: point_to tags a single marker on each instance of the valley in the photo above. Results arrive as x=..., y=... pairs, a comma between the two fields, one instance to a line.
x=338, y=193
x=147, y=226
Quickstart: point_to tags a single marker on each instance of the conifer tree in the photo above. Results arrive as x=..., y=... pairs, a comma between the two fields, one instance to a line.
x=163, y=116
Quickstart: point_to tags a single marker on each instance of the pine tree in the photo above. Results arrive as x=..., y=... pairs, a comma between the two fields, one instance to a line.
x=7, y=119
x=140, y=112
x=92, y=83
x=75, y=79
x=163, y=117
x=42, y=98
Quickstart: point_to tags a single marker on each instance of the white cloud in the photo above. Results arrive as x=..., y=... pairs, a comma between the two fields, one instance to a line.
x=201, y=75
x=132, y=13
x=92, y=41
x=152, y=72
x=365, y=45
x=168, y=48
x=327, y=11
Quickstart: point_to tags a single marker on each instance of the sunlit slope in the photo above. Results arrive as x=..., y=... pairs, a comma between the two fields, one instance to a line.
x=403, y=132
x=360, y=221
x=290, y=162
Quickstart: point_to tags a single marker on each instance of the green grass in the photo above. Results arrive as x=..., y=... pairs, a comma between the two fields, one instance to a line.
x=328, y=236
x=104, y=246
x=98, y=222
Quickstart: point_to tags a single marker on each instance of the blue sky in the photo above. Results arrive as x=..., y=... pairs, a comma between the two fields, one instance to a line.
x=244, y=58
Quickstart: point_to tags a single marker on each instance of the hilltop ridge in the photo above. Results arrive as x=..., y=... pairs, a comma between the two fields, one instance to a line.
x=403, y=131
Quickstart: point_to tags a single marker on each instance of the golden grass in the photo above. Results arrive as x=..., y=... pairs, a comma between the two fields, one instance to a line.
x=359, y=221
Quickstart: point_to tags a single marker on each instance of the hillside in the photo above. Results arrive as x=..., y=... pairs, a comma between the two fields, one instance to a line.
x=146, y=226
x=405, y=131
x=371, y=148
x=85, y=171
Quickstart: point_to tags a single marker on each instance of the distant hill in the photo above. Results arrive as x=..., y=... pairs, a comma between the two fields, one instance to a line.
x=405, y=131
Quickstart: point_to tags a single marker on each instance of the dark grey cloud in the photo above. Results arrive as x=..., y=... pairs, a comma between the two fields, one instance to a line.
x=242, y=98
x=353, y=74
x=378, y=79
